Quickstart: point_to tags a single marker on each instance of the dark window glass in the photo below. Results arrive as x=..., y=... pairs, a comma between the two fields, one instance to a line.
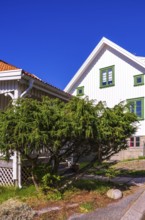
x=132, y=142
x=138, y=108
x=137, y=141
x=132, y=107
x=80, y=91
x=139, y=80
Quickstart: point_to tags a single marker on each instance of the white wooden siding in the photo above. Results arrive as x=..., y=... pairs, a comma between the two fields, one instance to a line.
x=6, y=87
x=124, y=81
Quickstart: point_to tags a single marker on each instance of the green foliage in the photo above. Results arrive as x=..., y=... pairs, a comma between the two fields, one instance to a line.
x=130, y=159
x=12, y=192
x=111, y=172
x=41, y=170
x=54, y=195
x=49, y=181
x=79, y=127
x=141, y=158
x=87, y=207
x=93, y=185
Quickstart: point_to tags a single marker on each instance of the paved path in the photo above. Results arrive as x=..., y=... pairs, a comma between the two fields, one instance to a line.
x=136, y=181
x=131, y=207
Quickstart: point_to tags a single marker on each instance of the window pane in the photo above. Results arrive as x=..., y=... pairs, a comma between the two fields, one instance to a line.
x=138, y=108
x=139, y=80
x=80, y=91
x=110, y=76
x=104, y=78
x=132, y=107
x=137, y=141
x=132, y=142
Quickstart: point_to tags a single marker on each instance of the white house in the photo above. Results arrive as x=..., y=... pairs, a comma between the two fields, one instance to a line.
x=112, y=74
x=15, y=83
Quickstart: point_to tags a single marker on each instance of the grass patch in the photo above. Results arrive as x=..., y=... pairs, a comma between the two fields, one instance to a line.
x=28, y=192
x=134, y=159
x=141, y=157
x=108, y=172
x=112, y=172
x=131, y=159
x=12, y=192
x=87, y=207
x=132, y=173
x=93, y=185
x=83, y=164
x=86, y=195
x=129, y=168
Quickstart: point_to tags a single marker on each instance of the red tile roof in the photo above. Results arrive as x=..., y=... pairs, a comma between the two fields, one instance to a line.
x=4, y=66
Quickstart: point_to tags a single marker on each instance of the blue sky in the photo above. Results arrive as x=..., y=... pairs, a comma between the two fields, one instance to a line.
x=52, y=38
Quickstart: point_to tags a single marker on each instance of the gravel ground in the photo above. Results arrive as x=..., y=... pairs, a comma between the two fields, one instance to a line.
x=15, y=210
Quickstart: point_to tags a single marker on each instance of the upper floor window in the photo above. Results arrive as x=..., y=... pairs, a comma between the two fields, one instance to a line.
x=139, y=80
x=137, y=107
x=80, y=91
x=107, y=77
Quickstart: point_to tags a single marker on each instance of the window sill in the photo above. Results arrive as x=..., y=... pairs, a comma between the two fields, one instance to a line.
x=108, y=86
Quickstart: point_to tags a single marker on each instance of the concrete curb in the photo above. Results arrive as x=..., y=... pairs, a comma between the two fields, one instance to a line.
x=137, y=209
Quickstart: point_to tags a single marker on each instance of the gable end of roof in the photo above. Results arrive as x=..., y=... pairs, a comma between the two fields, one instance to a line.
x=103, y=42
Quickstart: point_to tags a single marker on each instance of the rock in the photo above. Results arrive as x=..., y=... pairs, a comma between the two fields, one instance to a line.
x=114, y=194
x=15, y=209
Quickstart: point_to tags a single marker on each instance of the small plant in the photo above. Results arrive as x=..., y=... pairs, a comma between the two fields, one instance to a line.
x=111, y=172
x=86, y=207
x=51, y=195
x=49, y=183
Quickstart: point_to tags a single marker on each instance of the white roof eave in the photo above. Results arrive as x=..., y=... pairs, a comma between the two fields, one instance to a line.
x=10, y=74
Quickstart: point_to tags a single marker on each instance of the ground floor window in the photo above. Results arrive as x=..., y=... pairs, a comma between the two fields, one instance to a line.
x=137, y=106
x=134, y=142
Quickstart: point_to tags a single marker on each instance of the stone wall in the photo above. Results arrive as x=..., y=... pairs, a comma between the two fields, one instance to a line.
x=131, y=152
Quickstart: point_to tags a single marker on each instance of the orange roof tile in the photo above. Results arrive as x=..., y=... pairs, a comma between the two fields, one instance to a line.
x=4, y=66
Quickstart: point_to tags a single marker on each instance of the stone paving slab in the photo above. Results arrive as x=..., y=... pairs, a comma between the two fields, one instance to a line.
x=132, y=215
x=137, y=210
x=116, y=210
x=127, y=180
x=122, y=179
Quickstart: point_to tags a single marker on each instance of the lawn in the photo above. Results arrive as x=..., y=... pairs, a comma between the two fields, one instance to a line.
x=128, y=168
x=84, y=196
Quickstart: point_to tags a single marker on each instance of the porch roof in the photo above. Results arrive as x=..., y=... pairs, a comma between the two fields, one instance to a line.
x=4, y=66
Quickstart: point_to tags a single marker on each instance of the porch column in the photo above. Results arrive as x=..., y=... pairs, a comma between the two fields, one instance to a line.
x=16, y=157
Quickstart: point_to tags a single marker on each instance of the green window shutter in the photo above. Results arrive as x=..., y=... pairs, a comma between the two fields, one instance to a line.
x=107, y=76
x=139, y=80
x=137, y=106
